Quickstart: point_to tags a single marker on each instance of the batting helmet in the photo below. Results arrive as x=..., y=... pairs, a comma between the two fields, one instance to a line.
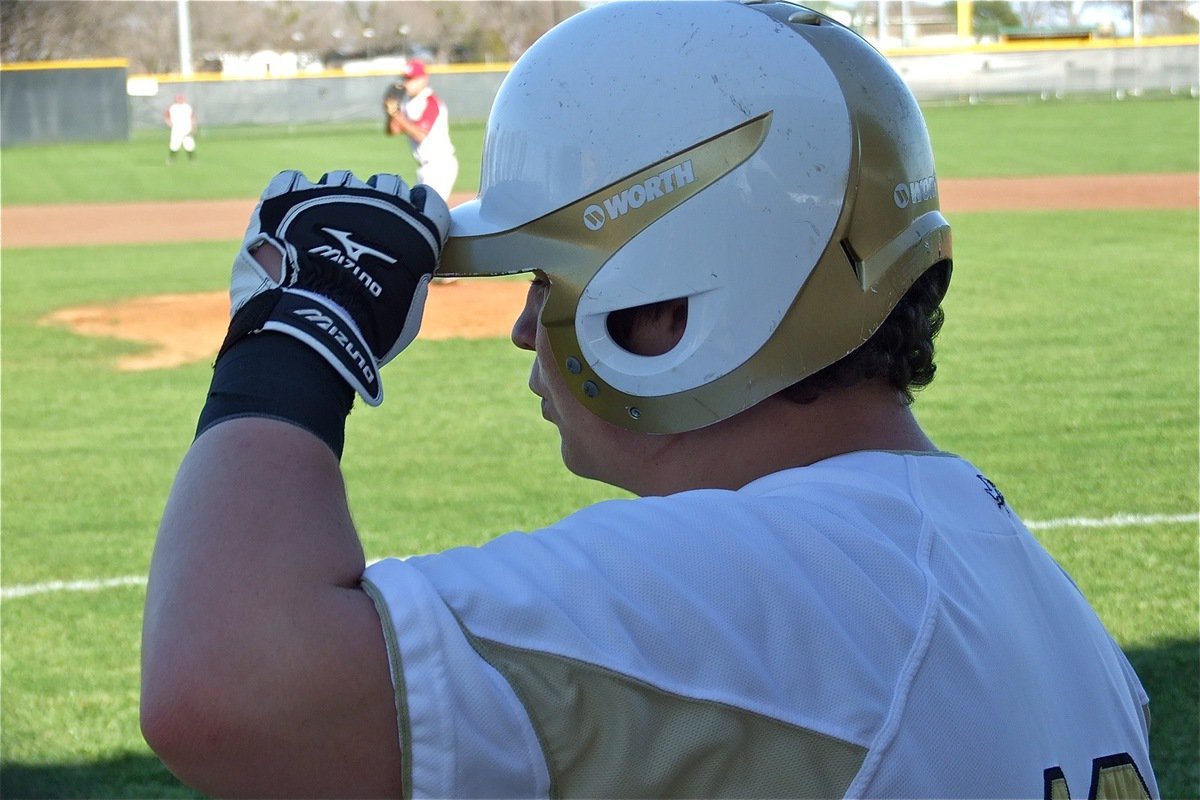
x=758, y=159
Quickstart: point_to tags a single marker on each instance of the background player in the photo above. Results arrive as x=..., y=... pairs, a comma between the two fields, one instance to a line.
x=414, y=110
x=739, y=266
x=181, y=119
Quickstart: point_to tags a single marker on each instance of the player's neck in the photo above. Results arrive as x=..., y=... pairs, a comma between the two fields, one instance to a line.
x=779, y=434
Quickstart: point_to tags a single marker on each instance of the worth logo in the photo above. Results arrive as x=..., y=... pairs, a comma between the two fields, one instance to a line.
x=637, y=195
x=908, y=194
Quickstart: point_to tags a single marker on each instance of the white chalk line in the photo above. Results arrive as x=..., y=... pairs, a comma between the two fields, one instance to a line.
x=24, y=590
x=1115, y=521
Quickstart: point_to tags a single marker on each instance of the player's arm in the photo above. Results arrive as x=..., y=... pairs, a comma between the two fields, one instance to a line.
x=419, y=128
x=399, y=123
x=264, y=669
x=395, y=124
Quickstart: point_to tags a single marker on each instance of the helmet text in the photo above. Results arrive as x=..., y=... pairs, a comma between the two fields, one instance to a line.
x=637, y=195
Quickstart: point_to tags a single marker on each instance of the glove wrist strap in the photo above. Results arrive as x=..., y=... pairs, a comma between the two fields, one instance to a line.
x=279, y=377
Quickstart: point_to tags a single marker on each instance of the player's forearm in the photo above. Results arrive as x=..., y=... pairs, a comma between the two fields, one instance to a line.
x=411, y=129
x=416, y=133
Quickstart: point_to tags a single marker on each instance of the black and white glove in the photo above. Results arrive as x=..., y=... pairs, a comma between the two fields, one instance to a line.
x=357, y=260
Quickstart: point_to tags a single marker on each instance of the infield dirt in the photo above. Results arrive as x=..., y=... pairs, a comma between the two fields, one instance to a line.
x=184, y=328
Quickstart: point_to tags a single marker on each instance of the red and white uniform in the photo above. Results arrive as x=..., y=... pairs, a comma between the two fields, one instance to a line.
x=877, y=624
x=437, y=165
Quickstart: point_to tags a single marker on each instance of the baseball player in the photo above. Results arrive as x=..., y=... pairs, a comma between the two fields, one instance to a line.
x=738, y=265
x=414, y=110
x=181, y=119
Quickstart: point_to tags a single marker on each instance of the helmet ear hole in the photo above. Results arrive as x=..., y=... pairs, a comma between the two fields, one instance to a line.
x=651, y=329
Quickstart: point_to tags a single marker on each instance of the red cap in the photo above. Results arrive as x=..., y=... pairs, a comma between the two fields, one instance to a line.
x=415, y=69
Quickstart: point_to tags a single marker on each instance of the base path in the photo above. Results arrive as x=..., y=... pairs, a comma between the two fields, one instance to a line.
x=181, y=329
x=1071, y=193
x=214, y=220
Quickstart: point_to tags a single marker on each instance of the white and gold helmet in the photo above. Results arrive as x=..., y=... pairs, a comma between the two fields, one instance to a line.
x=758, y=159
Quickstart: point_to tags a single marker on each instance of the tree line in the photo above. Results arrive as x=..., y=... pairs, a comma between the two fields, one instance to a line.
x=146, y=32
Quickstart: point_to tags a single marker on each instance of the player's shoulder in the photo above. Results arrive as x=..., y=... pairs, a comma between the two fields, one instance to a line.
x=816, y=507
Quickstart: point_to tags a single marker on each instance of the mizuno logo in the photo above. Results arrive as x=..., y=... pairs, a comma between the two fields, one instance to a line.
x=348, y=257
x=353, y=250
x=639, y=194
x=342, y=339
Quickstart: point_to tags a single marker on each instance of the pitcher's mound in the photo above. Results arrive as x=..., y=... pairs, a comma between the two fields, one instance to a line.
x=185, y=328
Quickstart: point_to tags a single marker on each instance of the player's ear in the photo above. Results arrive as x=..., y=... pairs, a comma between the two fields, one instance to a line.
x=649, y=330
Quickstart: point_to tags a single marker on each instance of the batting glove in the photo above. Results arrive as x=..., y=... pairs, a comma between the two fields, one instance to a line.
x=357, y=260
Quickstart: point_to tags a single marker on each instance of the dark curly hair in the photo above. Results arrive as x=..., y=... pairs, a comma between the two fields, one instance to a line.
x=901, y=350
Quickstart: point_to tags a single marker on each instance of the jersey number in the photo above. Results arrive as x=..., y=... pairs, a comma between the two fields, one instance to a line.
x=1114, y=777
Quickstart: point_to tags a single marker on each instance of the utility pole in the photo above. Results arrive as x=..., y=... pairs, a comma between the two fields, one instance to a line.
x=966, y=14
x=185, y=38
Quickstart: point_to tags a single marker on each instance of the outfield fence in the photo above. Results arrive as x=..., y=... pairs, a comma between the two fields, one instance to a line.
x=1114, y=67
x=40, y=101
x=64, y=101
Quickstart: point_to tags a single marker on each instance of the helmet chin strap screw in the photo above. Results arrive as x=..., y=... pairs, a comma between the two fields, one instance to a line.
x=590, y=389
x=573, y=365
x=635, y=412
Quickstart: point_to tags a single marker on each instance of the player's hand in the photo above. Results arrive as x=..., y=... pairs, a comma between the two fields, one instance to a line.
x=356, y=263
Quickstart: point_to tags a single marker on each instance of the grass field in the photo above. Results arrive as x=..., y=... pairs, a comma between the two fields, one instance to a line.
x=230, y=163
x=1026, y=139
x=1068, y=372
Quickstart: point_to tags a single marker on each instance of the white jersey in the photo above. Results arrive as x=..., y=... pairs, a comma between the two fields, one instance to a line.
x=180, y=117
x=428, y=111
x=877, y=624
